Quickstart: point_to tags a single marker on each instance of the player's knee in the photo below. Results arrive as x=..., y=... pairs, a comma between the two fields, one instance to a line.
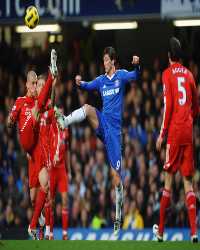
x=168, y=181
x=116, y=178
x=88, y=109
x=188, y=184
x=64, y=201
x=45, y=187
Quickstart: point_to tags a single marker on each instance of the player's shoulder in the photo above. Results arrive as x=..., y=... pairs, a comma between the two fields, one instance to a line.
x=166, y=74
x=167, y=71
x=100, y=77
x=189, y=73
x=121, y=71
x=21, y=99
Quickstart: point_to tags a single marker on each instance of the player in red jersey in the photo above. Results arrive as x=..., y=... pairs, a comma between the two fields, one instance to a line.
x=41, y=162
x=180, y=109
x=44, y=138
x=58, y=175
x=43, y=143
x=26, y=112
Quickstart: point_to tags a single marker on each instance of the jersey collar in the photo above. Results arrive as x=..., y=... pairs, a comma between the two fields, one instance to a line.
x=110, y=77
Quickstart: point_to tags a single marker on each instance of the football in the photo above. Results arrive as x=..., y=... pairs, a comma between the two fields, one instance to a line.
x=31, y=17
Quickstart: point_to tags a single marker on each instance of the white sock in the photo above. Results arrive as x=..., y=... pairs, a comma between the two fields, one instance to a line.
x=47, y=231
x=64, y=232
x=119, y=201
x=77, y=115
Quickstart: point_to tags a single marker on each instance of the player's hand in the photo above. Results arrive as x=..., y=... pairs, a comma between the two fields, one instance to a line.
x=78, y=80
x=136, y=60
x=53, y=67
x=159, y=143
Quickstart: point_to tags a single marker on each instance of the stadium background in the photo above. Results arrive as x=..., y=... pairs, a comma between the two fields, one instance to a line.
x=79, y=46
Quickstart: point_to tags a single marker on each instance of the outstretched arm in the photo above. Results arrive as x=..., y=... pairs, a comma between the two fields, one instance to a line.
x=132, y=75
x=92, y=85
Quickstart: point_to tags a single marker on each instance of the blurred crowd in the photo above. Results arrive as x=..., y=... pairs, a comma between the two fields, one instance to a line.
x=91, y=192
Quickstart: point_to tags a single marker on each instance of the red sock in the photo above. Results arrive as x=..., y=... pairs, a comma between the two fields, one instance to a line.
x=65, y=217
x=51, y=219
x=39, y=204
x=191, y=207
x=44, y=95
x=164, y=204
x=47, y=213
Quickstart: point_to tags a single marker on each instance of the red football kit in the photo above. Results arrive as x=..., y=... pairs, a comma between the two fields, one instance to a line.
x=29, y=129
x=180, y=109
x=58, y=173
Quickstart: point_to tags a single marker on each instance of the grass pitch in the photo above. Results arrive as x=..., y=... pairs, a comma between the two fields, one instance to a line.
x=95, y=245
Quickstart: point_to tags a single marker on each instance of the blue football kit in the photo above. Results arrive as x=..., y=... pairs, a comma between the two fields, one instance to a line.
x=110, y=117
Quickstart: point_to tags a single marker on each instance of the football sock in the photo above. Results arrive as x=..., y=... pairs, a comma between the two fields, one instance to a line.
x=119, y=201
x=191, y=207
x=76, y=116
x=47, y=231
x=164, y=204
x=51, y=220
x=65, y=218
x=40, y=200
x=47, y=213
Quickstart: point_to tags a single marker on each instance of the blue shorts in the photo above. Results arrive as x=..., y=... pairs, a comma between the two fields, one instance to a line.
x=111, y=139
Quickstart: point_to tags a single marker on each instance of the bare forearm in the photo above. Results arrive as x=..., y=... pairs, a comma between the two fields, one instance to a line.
x=53, y=95
x=10, y=122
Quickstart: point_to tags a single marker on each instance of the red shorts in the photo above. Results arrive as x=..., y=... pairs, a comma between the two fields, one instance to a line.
x=180, y=157
x=28, y=135
x=58, y=179
x=35, y=164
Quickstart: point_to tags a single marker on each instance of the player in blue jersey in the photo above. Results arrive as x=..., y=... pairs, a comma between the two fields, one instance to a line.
x=108, y=122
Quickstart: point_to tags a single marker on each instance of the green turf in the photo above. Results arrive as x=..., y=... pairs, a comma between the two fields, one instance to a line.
x=95, y=245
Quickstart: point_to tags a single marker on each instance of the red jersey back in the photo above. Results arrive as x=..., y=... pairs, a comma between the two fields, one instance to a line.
x=180, y=104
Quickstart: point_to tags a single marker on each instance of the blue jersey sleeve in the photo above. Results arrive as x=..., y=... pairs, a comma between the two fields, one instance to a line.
x=92, y=85
x=130, y=75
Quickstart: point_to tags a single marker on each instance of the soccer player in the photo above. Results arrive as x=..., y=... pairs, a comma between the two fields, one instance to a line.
x=41, y=161
x=107, y=123
x=44, y=144
x=26, y=113
x=180, y=109
x=58, y=175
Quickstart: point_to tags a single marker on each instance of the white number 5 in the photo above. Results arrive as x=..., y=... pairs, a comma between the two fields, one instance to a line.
x=181, y=89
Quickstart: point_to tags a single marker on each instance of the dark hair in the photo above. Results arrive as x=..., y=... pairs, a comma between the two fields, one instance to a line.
x=175, y=51
x=111, y=52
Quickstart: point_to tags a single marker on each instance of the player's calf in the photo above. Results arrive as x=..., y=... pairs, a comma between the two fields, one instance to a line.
x=119, y=201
